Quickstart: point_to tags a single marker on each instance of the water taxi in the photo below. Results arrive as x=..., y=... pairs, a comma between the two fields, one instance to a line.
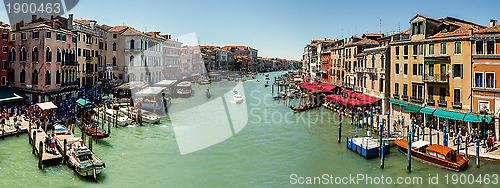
x=435, y=154
x=238, y=99
x=184, y=89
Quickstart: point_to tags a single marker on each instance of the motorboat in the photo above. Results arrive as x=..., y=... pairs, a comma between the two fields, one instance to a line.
x=122, y=120
x=435, y=154
x=147, y=116
x=238, y=99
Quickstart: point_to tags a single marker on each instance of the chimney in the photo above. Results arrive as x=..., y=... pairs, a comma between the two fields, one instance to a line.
x=69, y=23
x=493, y=22
x=33, y=18
x=92, y=24
x=471, y=31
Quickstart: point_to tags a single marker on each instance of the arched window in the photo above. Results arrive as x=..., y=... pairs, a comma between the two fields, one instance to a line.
x=58, y=77
x=131, y=61
x=12, y=54
x=22, y=56
x=114, y=46
x=114, y=61
x=58, y=55
x=34, y=77
x=22, y=77
x=34, y=54
x=48, y=55
x=47, y=78
x=11, y=75
x=132, y=44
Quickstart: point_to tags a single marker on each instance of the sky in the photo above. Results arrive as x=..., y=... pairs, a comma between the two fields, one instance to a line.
x=277, y=28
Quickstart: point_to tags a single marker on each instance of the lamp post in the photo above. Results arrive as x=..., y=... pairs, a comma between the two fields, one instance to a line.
x=484, y=131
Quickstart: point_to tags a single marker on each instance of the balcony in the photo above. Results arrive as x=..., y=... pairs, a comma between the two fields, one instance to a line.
x=417, y=99
x=133, y=50
x=359, y=69
x=442, y=103
x=395, y=95
x=404, y=97
x=436, y=78
x=431, y=102
x=456, y=105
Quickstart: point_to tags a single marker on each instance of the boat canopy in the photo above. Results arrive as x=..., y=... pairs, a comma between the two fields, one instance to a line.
x=164, y=83
x=150, y=91
x=46, y=105
x=184, y=84
x=419, y=144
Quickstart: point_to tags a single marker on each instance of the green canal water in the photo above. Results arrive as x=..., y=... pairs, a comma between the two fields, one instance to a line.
x=274, y=144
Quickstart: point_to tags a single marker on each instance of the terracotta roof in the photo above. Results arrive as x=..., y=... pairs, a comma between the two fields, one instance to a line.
x=494, y=29
x=84, y=22
x=107, y=27
x=372, y=35
x=363, y=41
x=462, y=30
x=402, y=32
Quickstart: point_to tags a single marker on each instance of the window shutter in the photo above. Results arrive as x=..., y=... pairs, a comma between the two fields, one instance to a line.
x=453, y=71
x=461, y=71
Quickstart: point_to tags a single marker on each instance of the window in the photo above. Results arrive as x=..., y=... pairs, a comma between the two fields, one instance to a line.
x=34, y=54
x=397, y=50
x=490, y=47
x=58, y=77
x=456, y=95
x=4, y=65
x=4, y=80
x=4, y=49
x=48, y=34
x=13, y=37
x=479, y=47
x=420, y=69
x=457, y=70
x=79, y=52
x=22, y=56
x=414, y=90
x=47, y=78
x=114, y=36
x=114, y=46
x=58, y=55
x=34, y=77
x=405, y=50
x=132, y=44
x=430, y=92
x=443, y=47
x=405, y=69
x=22, y=77
x=478, y=79
x=490, y=80
x=396, y=88
x=36, y=34
x=63, y=37
x=12, y=54
x=114, y=61
x=415, y=69
x=23, y=36
x=58, y=36
x=405, y=89
x=484, y=105
x=420, y=49
x=5, y=36
x=431, y=69
x=48, y=55
x=458, y=47
x=431, y=49
x=415, y=50
x=442, y=93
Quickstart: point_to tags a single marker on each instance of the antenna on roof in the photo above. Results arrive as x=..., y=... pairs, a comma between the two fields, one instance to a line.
x=380, y=31
x=399, y=27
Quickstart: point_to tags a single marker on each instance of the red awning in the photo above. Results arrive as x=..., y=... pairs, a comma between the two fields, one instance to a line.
x=346, y=101
x=328, y=86
x=364, y=97
x=316, y=83
x=347, y=91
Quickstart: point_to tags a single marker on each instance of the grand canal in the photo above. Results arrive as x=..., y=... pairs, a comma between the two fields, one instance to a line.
x=273, y=145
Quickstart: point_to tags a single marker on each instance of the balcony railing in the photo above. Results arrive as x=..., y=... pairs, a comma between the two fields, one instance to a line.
x=436, y=78
x=404, y=97
x=395, y=95
x=431, y=102
x=416, y=99
x=442, y=102
x=456, y=105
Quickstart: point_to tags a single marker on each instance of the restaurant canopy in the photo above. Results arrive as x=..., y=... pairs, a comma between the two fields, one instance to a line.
x=345, y=100
x=449, y=115
x=412, y=108
x=398, y=102
x=327, y=86
x=8, y=95
x=347, y=91
x=427, y=110
x=316, y=83
x=477, y=118
x=364, y=97
x=46, y=105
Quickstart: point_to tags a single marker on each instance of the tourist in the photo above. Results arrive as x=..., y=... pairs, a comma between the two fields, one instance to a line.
x=52, y=142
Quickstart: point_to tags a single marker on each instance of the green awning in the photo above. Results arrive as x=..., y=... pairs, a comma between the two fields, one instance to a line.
x=315, y=91
x=427, y=110
x=82, y=102
x=8, y=95
x=398, y=102
x=477, y=118
x=106, y=97
x=449, y=115
x=412, y=108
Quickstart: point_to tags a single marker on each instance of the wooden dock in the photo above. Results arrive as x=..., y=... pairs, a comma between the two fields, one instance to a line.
x=37, y=138
x=14, y=128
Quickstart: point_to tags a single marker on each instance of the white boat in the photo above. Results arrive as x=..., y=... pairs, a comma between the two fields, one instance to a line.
x=147, y=116
x=184, y=89
x=238, y=99
x=123, y=120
